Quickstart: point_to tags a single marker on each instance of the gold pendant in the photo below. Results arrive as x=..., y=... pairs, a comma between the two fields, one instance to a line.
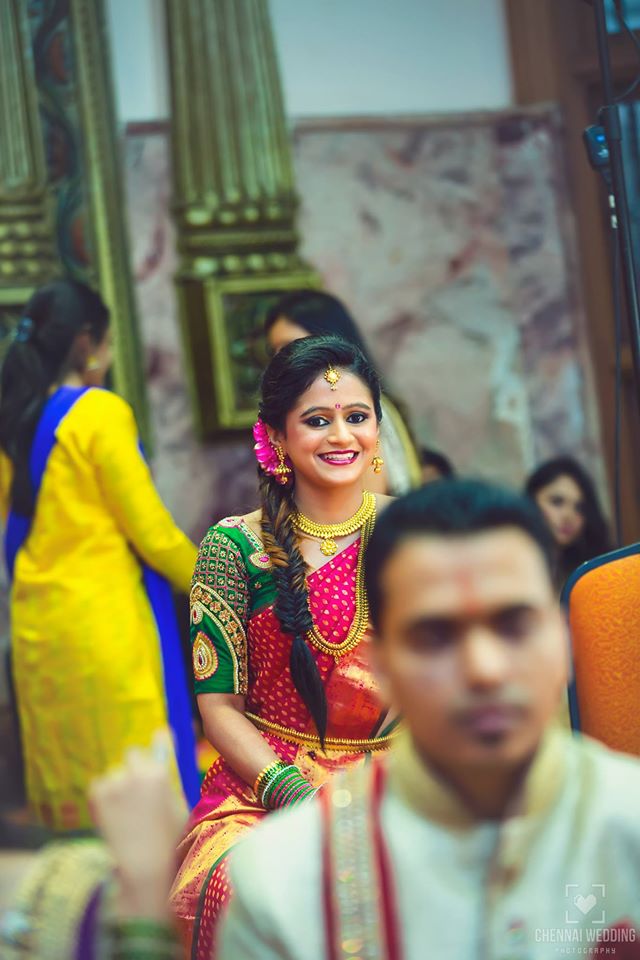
x=329, y=547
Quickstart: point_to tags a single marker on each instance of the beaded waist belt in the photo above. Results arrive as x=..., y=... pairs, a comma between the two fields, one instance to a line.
x=342, y=744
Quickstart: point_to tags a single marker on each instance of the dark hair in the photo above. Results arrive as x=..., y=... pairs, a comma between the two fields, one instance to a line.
x=594, y=539
x=454, y=508
x=320, y=314
x=289, y=374
x=433, y=458
x=39, y=358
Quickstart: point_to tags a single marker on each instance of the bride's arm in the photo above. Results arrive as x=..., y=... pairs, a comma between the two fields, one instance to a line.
x=234, y=736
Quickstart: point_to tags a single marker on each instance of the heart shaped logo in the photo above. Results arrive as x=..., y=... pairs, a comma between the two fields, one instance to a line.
x=585, y=904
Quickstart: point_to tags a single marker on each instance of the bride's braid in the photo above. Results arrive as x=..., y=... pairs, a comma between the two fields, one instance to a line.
x=290, y=373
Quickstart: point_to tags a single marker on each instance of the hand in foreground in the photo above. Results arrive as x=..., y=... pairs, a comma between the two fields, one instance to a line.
x=138, y=813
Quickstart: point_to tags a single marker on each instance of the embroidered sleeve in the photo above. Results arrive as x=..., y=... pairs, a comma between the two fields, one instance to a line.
x=219, y=604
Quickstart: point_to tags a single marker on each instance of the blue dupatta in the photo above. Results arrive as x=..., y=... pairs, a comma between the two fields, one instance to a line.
x=158, y=592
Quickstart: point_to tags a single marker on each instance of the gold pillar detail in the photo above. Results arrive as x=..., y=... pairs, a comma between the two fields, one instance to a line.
x=27, y=251
x=234, y=196
x=109, y=239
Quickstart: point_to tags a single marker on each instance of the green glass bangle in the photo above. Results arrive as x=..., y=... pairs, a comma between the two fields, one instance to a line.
x=281, y=777
x=138, y=938
x=271, y=797
x=274, y=778
x=290, y=788
x=143, y=926
x=154, y=949
x=266, y=774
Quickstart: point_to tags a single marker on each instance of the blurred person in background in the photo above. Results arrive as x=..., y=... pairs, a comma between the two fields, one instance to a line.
x=566, y=495
x=314, y=313
x=435, y=465
x=94, y=644
x=280, y=624
x=487, y=830
x=81, y=899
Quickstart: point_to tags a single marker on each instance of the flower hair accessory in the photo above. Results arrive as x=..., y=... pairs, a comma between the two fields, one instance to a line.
x=270, y=455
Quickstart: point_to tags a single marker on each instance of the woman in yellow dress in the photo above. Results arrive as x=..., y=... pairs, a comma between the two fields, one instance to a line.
x=93, y=633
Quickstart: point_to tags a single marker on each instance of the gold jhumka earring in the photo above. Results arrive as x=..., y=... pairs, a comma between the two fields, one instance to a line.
x=377, y=463
x=282, y=471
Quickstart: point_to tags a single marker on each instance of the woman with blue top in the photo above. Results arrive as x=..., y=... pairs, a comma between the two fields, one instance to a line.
x=94, y=644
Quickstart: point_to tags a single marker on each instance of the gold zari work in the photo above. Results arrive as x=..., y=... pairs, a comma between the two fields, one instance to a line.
x=205, y=658
x=226, y=620
x=341, y=744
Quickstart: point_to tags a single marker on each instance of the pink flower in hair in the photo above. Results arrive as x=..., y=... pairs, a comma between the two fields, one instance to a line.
x=264, y=449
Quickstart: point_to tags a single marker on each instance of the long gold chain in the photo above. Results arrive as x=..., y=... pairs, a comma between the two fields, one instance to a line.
x=361, y=618
x=327, y=532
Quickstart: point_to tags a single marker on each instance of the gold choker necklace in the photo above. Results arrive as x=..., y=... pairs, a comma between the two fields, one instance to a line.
x=327, y=532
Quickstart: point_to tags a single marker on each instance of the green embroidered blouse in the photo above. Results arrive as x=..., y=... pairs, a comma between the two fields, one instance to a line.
x=232, y=581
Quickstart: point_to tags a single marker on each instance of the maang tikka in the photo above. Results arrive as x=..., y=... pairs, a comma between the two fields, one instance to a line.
x=332, y=376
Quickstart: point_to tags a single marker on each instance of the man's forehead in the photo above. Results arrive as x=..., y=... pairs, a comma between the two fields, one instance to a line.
x=504, y=561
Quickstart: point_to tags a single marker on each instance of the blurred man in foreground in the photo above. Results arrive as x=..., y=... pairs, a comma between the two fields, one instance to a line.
x=487, y=830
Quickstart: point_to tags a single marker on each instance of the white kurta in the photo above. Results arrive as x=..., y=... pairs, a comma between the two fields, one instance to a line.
x=562, y=870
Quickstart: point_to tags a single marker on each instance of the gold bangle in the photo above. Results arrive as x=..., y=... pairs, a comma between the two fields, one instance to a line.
x=264, y=774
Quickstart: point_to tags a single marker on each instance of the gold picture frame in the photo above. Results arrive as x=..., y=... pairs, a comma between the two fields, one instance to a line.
x=235, y=310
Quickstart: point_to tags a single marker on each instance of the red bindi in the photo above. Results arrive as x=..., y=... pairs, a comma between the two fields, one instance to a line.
x=338, y=406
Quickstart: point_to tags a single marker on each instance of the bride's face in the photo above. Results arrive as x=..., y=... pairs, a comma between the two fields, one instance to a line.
x=330, y=434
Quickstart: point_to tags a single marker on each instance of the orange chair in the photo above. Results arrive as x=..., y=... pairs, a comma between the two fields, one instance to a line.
x=602, y=599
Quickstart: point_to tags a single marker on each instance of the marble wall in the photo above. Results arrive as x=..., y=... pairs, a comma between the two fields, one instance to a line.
x=452, y=240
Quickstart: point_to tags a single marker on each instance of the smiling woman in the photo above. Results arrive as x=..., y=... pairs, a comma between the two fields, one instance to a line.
x=566, y=495
x=280, y=617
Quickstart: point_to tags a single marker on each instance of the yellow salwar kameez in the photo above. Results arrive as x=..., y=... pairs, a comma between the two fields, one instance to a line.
x=85, y=649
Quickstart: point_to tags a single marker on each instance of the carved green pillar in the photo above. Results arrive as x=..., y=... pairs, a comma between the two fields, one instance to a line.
x=234, y=197
x=27, y=251
x=61, y=202
x=103, y=184
x=111, y=257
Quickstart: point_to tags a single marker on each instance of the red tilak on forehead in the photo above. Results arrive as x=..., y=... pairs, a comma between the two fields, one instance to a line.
x=470, y=604
x=338, y=406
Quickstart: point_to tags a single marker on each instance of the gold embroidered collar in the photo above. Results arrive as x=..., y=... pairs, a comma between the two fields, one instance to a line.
x=432, y=797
